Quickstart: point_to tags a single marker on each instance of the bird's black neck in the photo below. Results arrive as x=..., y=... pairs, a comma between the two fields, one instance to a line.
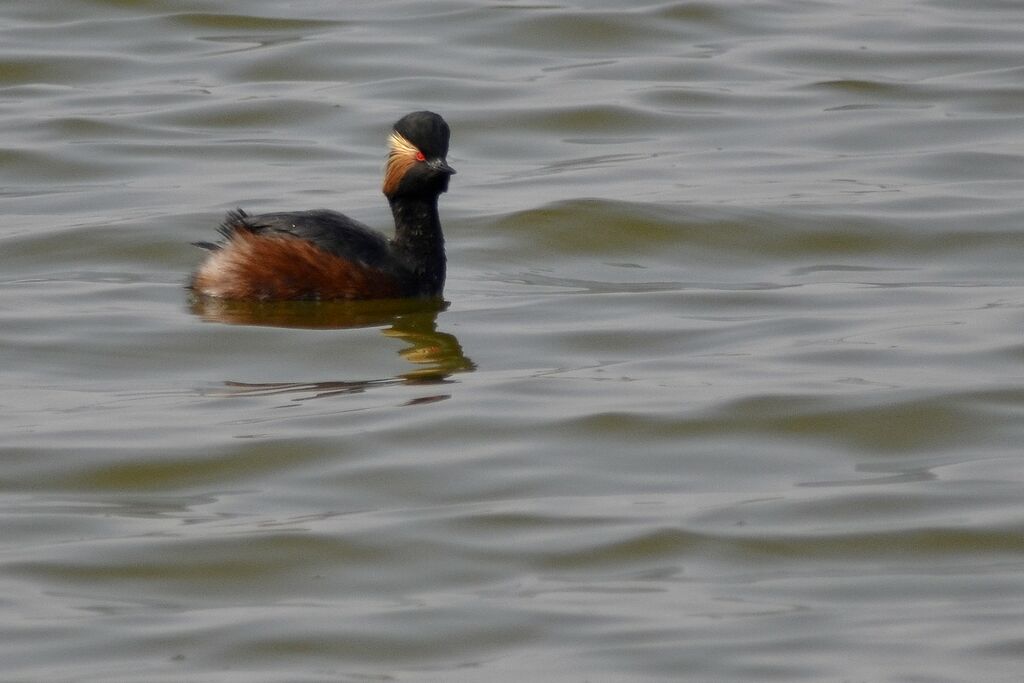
x=419, y=240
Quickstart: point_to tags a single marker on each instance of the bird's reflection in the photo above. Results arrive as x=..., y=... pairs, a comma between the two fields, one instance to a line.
x=434, y=355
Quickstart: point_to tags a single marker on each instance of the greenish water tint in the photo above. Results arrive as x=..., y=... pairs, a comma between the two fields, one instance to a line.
x=727, y=385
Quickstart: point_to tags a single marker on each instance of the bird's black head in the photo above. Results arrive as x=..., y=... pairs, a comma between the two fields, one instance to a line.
x=427, y=131
x=416, y=159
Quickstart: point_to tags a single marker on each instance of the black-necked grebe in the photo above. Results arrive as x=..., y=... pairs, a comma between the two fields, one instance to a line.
x=323, y=254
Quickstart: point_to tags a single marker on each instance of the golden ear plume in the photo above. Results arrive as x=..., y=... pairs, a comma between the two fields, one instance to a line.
x=401, y=155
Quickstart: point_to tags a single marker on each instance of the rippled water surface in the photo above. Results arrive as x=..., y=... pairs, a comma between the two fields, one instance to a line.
x=728, y=386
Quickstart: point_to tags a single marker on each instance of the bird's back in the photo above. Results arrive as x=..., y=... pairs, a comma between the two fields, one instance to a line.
x=317, y=254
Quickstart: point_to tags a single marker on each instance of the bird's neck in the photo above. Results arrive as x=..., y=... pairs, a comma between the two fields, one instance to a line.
x=419, y=240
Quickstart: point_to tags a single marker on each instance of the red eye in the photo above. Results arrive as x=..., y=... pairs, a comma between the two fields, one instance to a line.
x=420, y=156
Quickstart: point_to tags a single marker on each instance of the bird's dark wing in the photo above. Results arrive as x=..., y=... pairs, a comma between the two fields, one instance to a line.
x=333, y=232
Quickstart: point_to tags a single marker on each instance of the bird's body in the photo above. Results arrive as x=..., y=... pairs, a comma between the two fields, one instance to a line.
x=322, y=254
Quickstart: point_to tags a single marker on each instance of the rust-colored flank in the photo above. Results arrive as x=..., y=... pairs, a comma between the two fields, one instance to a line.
x=281, y=267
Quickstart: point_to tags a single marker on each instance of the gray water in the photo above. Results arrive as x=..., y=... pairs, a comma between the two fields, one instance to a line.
x=728, y=386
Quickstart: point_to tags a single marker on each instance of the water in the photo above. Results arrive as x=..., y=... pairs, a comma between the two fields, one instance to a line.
x=728, y=386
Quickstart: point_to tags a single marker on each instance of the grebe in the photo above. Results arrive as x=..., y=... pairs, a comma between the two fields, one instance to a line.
x=323, y=254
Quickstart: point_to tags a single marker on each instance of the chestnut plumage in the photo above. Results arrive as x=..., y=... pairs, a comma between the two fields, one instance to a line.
x=323, y=254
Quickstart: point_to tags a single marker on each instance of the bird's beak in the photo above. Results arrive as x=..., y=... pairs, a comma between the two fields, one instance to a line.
x=441, y=166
